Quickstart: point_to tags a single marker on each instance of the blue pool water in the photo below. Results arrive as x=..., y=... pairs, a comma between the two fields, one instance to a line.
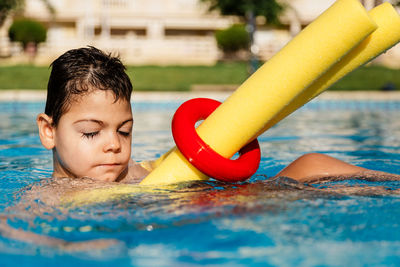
x=258, y=223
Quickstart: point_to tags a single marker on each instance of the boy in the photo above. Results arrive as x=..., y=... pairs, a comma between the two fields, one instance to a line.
x=88, y=125
x=88, y=118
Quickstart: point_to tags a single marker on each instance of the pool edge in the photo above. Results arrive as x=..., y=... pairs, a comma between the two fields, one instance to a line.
x=40, y=95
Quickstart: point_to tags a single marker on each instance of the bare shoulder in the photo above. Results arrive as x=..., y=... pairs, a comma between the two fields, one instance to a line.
x=137, y=171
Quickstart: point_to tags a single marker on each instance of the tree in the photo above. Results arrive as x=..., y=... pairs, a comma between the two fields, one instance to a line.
x=8, y=5
x=5, y=7
x=28, y=32
x=248, y=10
x=233, y=39
x=270, y=9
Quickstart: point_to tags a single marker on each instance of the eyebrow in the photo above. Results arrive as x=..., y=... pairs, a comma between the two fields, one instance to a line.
x=128, y=120
x=101, y=122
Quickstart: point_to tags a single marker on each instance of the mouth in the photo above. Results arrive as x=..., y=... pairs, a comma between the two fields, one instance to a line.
x=109, y=165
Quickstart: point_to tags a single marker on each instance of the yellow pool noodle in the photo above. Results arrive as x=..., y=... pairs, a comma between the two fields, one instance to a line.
x=383, y=38
x=261, y=97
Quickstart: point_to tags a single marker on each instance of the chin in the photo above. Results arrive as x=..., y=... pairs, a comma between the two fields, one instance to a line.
x=109, y=175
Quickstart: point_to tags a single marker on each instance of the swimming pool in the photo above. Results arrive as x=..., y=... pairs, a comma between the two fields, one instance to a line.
x=258, y=223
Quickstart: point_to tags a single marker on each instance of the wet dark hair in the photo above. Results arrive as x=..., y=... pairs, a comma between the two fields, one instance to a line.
x=78, y=72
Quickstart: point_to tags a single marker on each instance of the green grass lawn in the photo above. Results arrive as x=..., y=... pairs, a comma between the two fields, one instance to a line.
x=368, y=78
x=180, y=78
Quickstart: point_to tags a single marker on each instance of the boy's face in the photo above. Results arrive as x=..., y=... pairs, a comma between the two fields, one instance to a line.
x=93, y=138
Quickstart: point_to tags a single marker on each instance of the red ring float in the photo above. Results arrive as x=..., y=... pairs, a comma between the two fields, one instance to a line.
x=201, y=155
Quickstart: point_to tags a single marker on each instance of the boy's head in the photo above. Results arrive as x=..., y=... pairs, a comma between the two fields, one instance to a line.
x=80, y=71
x=88, y=118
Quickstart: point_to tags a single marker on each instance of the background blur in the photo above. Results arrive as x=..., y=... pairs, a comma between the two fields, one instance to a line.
x=154, y=32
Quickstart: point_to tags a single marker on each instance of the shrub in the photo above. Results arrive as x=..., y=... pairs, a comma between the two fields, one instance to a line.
x=5, y=7
x=27, y=31
x=233, y=39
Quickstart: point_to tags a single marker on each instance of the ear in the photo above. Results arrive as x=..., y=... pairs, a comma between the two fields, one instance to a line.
x=46, y=130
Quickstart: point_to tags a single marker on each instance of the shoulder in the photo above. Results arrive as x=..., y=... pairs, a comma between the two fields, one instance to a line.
x=137, y=171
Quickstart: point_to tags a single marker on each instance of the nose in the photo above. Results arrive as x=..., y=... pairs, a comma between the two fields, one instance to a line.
x=113, y=143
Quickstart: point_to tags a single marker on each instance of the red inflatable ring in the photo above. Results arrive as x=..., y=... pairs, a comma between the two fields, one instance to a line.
x=202, y=156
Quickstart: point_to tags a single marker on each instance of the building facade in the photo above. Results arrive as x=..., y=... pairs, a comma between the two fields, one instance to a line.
x=152, y=31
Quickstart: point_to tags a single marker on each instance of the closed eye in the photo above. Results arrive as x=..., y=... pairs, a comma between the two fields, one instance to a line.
x=123, y=133
x=90, y=135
